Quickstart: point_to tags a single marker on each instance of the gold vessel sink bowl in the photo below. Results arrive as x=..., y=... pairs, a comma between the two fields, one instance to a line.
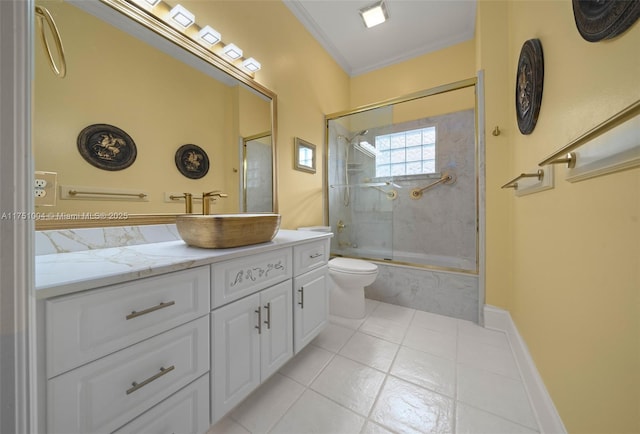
x=221, y=231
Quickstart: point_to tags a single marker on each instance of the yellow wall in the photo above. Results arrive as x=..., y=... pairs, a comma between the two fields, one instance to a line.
x=308, y=82
x=574, y=291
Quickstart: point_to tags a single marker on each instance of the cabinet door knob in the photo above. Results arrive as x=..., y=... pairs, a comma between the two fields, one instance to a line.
x=301, y=302
x=259, y=326
x=163, y=371
x=162, y=305
x=268, y=321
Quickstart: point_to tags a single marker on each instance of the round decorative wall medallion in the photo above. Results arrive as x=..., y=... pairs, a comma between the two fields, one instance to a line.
x=107, y=147
x=529, y=80
x=192, y=161
x=604, y=19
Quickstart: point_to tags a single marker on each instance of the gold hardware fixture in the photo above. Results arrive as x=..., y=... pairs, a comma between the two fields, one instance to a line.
x=42, y=15
x=570, y=159
x=496, y=131
x=615, y=120
x=135, y=314
x=259, y=326
x=105, y=193
x=391, y=195
x=188, y=201
x=267, y=307
x=206, y=198
x=163, y=371
x=301, y=302
x=341, y=226
x=514, y=182
x=447, y=178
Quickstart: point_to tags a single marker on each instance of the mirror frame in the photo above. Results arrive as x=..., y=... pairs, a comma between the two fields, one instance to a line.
x=144, y=18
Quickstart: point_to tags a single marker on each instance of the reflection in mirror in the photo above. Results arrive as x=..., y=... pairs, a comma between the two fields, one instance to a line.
x=305, y=156
x=256, y=173
x=161, y=102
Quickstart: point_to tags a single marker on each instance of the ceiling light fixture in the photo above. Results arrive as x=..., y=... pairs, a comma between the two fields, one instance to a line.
x=232, y=51
x=182, y=16
x=152, y=2
x=374, y=14
x=252, y=64
x=209, y=35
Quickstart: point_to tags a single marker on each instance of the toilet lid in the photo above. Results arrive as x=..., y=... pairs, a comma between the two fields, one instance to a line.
x=349, y=265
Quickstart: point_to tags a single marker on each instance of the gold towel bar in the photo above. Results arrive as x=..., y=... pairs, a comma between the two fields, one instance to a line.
x=615, y=120
x=42, y=14
x=104, y=193
x=446, y=178
x=514, y=182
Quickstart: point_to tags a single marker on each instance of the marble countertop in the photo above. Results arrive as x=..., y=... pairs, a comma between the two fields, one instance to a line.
x=73, y=271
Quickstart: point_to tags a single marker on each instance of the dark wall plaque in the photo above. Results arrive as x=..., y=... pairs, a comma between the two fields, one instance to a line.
x=529, y=81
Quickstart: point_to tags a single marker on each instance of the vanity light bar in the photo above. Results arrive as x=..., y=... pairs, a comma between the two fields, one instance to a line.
x=252, y=64
x=182, y=16
x=232, y=51
x=209, y=35
x=152, y=2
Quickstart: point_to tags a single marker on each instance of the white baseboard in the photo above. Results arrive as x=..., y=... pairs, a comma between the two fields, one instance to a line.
x=546, y=414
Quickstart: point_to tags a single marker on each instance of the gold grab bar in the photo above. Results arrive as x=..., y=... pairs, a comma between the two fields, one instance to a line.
x=446, y=178
x=615, y=120
x=105, y=193
x=42, y=14
x=514, y=182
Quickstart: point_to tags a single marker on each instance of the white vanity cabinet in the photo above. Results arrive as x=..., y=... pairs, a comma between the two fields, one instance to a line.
x=115, y=352
x=175, y=352
x=311, y=291
x=252, y=339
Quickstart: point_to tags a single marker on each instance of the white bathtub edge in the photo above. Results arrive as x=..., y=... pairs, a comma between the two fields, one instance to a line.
x=547, y=416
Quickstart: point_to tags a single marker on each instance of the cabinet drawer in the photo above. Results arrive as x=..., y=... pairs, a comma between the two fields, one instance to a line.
x=240, y=277
x=184, y=412
x=308, y=256
x=83, y=327
x=106, y=394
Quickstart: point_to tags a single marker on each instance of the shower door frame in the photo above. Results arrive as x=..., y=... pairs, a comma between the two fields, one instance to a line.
x=478, y=83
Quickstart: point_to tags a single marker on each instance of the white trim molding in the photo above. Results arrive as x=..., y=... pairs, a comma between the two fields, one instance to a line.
x=546, y=414
x=16, y=225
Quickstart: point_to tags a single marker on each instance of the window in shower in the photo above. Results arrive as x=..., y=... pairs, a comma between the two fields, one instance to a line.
x=411, y=152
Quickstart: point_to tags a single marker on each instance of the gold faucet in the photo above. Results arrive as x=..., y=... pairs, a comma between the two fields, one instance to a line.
x=206, y=199
x=188, y=202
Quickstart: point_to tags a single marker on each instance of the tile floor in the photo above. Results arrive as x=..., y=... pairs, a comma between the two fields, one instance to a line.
x=398, y=370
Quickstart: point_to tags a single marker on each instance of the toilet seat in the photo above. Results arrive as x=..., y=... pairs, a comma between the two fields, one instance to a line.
x=352, y=266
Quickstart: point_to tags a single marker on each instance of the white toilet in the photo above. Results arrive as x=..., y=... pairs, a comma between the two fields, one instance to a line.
x=350, y=276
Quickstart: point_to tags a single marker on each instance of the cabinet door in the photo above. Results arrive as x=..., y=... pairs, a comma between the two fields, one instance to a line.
x=277, y=328
x=235, y=353
x=311, y=308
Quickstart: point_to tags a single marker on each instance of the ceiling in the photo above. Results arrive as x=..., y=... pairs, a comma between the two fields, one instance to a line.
x=414, y=27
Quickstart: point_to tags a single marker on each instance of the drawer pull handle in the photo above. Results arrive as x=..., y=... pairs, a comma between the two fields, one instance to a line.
x=162, y=305
x=268, y=321
x=162, y=372
x=259, y=326
x=301, y=302
x=315, y=255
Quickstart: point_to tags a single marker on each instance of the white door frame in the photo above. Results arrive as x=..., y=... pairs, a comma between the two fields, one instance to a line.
x=17, y=393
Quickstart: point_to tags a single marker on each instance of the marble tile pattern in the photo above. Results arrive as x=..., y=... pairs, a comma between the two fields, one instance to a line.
x=77, y=270
x=441, y=224
x=432, y=374
x=441, y=292
x=76, y=240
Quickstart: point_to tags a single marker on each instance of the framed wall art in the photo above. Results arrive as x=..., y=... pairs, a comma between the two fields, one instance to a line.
x=529, y=81
x=192, y=161
x=106, y=147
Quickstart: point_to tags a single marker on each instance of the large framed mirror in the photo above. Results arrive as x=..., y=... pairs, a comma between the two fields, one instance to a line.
x=129, y=70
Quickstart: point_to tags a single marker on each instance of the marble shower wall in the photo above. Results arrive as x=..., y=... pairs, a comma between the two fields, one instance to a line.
x=441, y=224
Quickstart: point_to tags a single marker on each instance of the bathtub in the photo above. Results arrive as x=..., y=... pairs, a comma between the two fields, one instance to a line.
x=411, y=258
